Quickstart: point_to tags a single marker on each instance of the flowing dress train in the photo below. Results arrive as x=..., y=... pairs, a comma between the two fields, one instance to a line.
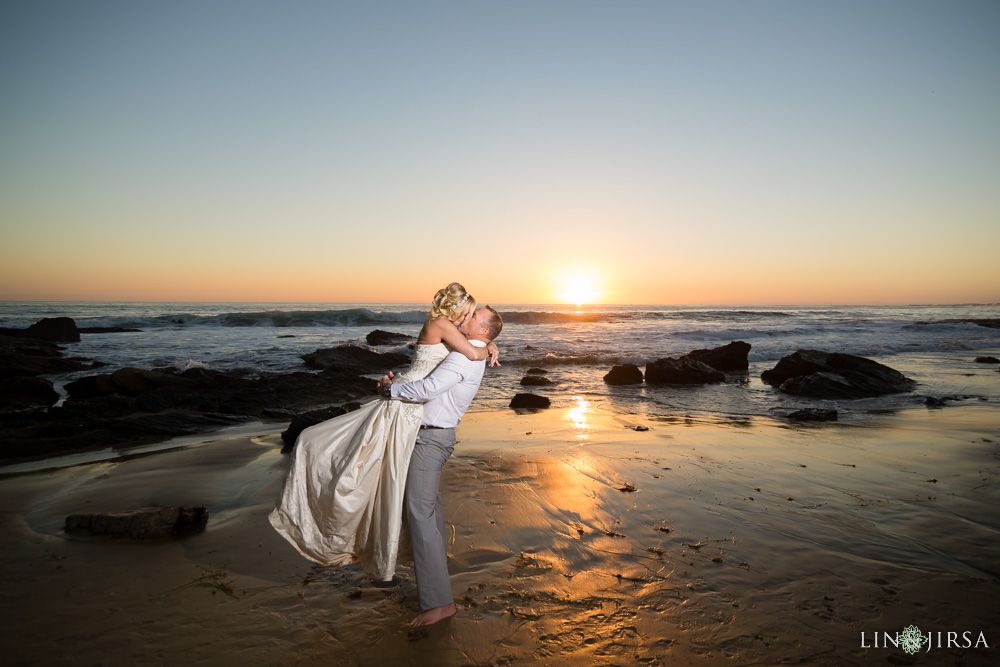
x=343, y=497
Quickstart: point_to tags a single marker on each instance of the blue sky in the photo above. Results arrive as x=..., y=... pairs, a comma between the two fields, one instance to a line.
x=668, y=152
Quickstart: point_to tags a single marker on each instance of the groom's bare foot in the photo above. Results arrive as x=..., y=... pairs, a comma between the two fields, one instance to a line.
x=432, y=616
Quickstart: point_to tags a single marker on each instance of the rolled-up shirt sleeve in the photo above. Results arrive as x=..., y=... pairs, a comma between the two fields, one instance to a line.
x=447, y=375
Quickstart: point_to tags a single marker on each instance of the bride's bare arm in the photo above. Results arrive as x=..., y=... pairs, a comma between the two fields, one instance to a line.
x=494, y=354
x=443, y=331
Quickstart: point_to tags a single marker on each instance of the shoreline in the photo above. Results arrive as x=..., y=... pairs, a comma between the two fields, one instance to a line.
x=114, y=454
x=750, y=541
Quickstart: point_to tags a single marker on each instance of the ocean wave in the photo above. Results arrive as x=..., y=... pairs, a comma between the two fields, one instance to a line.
x=717, y=315
x=555, y=359
x=727, y=335
x=606, y=361
x=313, y=318
x=554, y=317
x=365, y=316
x=542, y=317
x=269, y=318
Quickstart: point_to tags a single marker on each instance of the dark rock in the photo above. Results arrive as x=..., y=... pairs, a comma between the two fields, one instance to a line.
x=354, y=359
x=20, y=357
x=277, y=414
x=730, y=357
x=530, y=347
x=169, y=425
x=135, y=381
x=529, y=401
x=835, y=375
x=124, y=381
x=536, y=381
x=61, y=430
x=56, y=329
x=682, y=371
x=624, y=374
x=132, y=406
x=379, y=337
x=19, y=393
x=935, y=402
x=208, y=390
x=813, y=415
x=820, y=385
x=987, y=360
x=537, y=371
x=149, y=524
x=304, y=421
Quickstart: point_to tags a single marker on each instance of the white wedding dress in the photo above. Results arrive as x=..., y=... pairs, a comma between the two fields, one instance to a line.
x=343, y=497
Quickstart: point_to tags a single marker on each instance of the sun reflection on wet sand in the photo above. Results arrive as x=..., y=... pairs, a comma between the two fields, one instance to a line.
x=577, y=416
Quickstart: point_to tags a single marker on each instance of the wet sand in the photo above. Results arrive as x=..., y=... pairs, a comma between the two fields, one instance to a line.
x=575, y=539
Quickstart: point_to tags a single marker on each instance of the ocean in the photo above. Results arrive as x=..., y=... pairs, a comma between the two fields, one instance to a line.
x=576, y=346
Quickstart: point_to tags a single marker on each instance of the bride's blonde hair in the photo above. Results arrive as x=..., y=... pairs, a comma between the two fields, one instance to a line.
x=451, y=302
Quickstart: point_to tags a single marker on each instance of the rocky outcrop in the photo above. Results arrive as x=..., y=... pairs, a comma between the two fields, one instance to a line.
x=696, y=367
x=311, y=418
x=22, y=357
x=987, y=360
x=354, y=359
x=529, y=401
x=942, y=401
x=379, y=337
x=536, y=381
x=147, y=524
x=28, y=353
x=133, y=406
x=730, y=357
x=835, y=375
x=682, y=371
x=203, y=390
x=813, y=415
x=53, y=329
x=124, y=381
x=624, y=374
x=19, y=393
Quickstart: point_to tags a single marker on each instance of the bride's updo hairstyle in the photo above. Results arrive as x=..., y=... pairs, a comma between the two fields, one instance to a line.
x=451, y=302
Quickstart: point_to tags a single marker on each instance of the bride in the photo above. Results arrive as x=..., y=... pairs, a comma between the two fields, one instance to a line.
x=343, y=496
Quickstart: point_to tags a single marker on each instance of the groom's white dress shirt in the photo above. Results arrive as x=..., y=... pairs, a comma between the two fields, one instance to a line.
x=447, y=392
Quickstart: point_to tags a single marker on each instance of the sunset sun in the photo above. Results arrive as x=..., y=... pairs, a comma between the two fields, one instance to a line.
x=579, y=287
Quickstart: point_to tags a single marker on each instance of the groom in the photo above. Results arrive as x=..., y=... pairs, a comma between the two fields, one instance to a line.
x=446, y=394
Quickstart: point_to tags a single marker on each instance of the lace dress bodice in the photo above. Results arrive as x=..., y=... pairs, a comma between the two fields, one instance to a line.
x=425, y=359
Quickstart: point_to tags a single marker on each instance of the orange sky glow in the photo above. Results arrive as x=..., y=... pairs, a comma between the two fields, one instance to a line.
x=654, y=153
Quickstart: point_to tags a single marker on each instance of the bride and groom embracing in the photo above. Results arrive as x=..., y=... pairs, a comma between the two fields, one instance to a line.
x=351, y=476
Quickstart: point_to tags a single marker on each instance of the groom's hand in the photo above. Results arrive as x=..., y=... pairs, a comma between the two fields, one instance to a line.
x=384, y=385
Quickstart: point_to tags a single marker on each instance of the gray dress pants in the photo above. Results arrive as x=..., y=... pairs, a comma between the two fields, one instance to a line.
x=426, y=516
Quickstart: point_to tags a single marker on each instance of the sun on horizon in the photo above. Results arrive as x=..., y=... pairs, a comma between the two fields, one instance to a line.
x=579, y=286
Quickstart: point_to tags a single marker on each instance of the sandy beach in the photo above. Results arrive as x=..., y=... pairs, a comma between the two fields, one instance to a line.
x=575, y=539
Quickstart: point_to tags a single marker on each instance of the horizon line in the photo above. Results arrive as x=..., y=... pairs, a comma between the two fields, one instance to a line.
x=526, y=303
